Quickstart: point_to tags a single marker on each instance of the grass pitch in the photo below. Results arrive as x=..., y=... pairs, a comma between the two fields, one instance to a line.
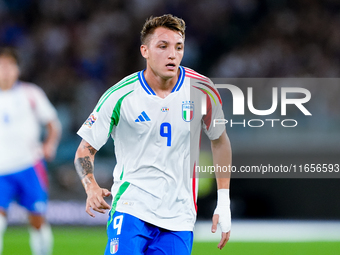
x=92, y=240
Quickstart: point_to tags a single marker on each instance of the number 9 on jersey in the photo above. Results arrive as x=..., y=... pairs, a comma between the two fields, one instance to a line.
x=166, y=132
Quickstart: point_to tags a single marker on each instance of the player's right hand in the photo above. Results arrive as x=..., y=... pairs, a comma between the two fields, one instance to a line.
x=222, y=216
x=95, y=200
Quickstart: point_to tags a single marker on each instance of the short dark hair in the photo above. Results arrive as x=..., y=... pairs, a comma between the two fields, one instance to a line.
x=9, y=52
x=167, y=20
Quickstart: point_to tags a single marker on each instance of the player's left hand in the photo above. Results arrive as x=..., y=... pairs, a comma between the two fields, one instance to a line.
x=225, y=235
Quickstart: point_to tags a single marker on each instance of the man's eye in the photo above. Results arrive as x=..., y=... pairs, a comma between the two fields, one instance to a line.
x=162, y=46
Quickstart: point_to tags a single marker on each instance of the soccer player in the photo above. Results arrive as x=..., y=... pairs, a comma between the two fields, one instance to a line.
x=154, y=117
x=24, y=108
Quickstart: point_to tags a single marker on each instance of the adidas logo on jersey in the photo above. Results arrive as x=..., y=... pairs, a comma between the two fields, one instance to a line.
x=143, y=117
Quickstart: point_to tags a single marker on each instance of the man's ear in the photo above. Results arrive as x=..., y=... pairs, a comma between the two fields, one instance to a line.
x=144, y=51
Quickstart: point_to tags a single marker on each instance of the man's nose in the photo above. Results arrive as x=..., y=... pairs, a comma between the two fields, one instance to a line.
x=172, y=53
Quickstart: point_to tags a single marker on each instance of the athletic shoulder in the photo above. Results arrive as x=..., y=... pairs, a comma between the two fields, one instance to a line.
x=203, y=83
x=119, y=91
x=30, y=87
x=33, y=92
x=195, y=76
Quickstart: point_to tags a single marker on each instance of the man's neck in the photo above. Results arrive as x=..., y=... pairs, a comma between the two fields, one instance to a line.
x=162, y=87
x=6, y=86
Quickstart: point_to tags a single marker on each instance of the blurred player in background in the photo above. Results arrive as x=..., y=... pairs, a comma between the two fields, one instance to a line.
x=24, y=108
x=155, y=119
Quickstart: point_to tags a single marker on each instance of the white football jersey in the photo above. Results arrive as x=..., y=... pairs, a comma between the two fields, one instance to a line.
x=156, y=145
x=23, y=109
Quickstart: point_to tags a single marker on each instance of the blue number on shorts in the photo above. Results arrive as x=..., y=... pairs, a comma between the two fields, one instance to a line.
x=166, y=132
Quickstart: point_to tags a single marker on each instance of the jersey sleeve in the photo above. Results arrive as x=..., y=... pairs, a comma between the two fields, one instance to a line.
x=96, y=129
x=214, y=111
x=42, y=107
x=102, y=121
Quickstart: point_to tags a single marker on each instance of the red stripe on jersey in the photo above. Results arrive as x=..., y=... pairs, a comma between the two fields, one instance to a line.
x=192, y=74
x=196, y=75
x=41, y=173
x=213, y=90
x=207, y=117
x=194, y=186
x=30, y=95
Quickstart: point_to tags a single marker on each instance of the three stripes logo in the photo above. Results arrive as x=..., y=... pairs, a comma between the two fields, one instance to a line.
x=143, y=117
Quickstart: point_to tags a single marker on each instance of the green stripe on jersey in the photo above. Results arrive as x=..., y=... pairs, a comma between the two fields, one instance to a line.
x=121, y=175
x=116, y=112
x=211, y=95
x=115, y=88
x=120, y=192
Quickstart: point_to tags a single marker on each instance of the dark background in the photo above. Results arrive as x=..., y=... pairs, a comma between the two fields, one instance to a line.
x=75, y=50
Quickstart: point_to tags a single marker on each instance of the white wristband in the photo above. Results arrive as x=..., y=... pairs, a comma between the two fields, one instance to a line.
x=223, y=210
x=223, y=197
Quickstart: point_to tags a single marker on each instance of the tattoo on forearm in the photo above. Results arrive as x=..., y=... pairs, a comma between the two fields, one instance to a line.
x=84, y=166
x=91, y=149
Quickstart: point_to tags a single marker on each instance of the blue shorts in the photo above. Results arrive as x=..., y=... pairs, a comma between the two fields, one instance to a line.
x=28, y=187
x=130, y=235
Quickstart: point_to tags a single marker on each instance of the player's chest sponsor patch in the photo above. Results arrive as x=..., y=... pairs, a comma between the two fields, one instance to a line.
x=188, y=110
